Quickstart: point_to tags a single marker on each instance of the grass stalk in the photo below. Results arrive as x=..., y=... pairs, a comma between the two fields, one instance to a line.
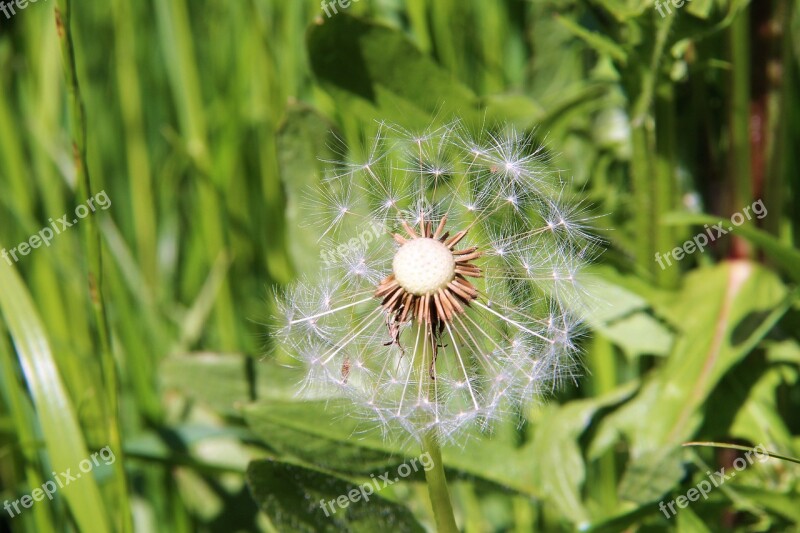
x=95, y=261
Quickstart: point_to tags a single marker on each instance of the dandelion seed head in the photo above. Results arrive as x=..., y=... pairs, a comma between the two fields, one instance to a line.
x=451, y=306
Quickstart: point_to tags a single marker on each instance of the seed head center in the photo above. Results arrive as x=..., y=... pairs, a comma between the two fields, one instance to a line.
x=423, y=266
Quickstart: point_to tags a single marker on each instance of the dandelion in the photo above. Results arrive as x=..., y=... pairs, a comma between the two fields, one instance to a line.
x=460, y=313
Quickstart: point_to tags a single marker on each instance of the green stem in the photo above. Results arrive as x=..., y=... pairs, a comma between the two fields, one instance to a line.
x=95, y=260
x=644, y=166
x=437, y=486
x=603, y=369
x=437, y=482
x=743, y=449
x=740, y=179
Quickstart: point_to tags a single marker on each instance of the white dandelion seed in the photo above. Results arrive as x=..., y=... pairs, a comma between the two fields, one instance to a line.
x=457, y=314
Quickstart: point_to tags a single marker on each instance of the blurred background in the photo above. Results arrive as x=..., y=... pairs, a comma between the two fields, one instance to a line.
x=193, y=128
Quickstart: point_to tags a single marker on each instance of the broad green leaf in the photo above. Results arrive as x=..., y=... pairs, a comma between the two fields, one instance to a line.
x=58, y=421
x=622, y=317
x=620, y=522
x=759, y=420
x=321, y=433
x=353, y=57
x=555, y=451
x=623, y=10
x=226, y=381
x=723, y=313
x=188, y=445
x=652, y=474
x=326, y=434
x=784, y=351
x=297, y=499
x=515, y=109
x=639, y=334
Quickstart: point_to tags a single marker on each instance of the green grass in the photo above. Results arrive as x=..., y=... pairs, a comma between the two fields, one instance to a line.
x=142, y=327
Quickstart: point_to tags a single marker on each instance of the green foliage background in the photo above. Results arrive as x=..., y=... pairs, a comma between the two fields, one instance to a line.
x=142, y=328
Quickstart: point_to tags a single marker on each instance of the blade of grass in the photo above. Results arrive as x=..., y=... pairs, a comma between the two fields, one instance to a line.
x=15, y=398
x=742, y=448
x=56, y=415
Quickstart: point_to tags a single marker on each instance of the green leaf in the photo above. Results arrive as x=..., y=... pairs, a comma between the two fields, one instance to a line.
x=57, y=416
x=622, y=316
x=652, y=474
x=759, y=418
x=321, y=433
x=225, y=381
x=514, y=109
x=620, y=522
x=638, y=334
x=723, y=313
x=555, y=452
x=326, y=434
x=598, y=41
x=700, y=8
x=352, y=57
x=292, y=497
x=623, y=10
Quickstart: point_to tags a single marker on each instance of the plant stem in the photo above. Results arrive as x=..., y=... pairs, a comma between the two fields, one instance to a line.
x=603, y=369
x=63, y=14
x=647, y=181
x=437, y=486
x=740, y=180
x=437, y=482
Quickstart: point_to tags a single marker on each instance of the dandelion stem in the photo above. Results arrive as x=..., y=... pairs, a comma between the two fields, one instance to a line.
x=437, y=482
x=437, y=486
